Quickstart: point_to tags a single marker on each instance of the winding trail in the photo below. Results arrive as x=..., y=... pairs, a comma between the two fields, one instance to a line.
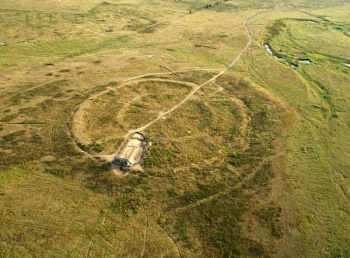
x=195, y=89
x=239, y=185
x=146, y=233
x=163, y=115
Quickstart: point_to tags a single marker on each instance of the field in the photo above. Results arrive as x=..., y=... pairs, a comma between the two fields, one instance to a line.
x=244, y=105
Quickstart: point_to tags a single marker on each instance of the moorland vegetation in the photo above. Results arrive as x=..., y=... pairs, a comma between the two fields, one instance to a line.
x=247, y=153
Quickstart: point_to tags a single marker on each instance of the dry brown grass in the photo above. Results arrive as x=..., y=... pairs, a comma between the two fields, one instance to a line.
x=254, y=164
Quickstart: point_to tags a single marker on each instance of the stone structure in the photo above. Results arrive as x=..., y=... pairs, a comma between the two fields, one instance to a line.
x=131, y=151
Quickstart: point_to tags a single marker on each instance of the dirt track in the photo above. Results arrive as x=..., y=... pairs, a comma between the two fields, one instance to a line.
x=144, y=127
x=195, y=87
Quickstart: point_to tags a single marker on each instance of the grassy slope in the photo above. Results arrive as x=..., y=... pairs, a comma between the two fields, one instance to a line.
x=317, y=162
x=262, y=204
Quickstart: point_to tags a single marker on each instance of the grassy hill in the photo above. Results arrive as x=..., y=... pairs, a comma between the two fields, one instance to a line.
x=247, y=153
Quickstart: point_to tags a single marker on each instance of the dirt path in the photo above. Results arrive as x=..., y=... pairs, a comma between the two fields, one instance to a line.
x=165, y=73
x=249, y=43
x=146, y=232
x=225, y=192
x=195, y=87
x=121, y=112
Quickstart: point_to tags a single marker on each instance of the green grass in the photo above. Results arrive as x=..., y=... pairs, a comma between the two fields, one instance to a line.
x=38, y=208
x=28, y=53
x=312, y=152
x=254, y=164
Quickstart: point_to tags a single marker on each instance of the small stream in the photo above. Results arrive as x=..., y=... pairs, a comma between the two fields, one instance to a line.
x=279, y=58
x=304, y=61
x=292, y=65
x=269, y=50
